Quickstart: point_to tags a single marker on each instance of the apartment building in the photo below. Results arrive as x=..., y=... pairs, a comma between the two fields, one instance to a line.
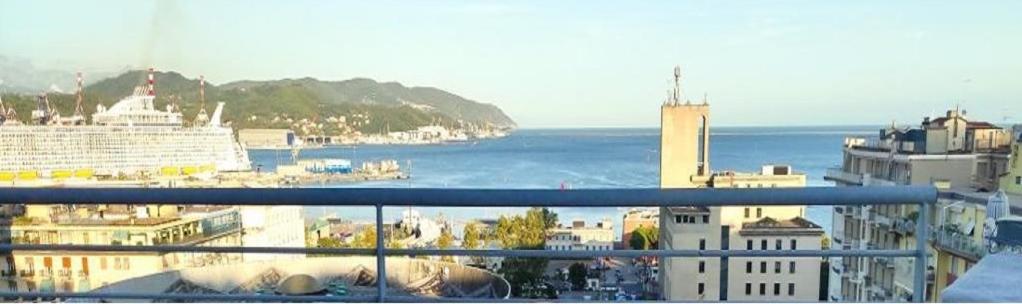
x=272, y=226
x=580, y=237
x=965, y=159
x=684, y=163
x=69, y=271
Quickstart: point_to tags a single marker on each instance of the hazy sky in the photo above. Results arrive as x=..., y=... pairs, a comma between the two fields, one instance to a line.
x=560, y=64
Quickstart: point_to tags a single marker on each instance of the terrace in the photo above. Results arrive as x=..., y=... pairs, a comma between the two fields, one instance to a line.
x=397, y=198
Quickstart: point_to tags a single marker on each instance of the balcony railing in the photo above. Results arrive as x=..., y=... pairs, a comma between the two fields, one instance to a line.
x=840, y=175
x=961, y=244
x=380, y=198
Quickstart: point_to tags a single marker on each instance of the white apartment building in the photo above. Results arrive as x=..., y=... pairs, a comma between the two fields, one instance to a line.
x=580, y=237
x=272, y=226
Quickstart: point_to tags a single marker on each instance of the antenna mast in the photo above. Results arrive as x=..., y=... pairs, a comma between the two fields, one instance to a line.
x=677, y=85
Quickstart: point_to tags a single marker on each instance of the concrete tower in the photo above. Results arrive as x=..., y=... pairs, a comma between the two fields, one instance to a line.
x=684, y=140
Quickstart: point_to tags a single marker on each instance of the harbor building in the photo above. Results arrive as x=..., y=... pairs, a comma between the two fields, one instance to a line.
x=267, y=138
x=580, y=237
x=967, y=160
x=684, y=163
x=637, y=218
x=69, y=271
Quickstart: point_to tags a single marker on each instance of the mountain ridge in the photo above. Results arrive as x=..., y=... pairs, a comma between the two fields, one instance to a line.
x=307, y=104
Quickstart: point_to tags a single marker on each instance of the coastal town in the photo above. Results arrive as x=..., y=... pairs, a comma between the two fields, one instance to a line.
x=973, y=164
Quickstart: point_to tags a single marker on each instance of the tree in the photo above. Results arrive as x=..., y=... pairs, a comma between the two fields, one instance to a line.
x=549, y=218
x=365, y=238
x=577, y=274
x=524, y=232
x=446, y=240
x=471, y=238
x=329, y=243
x=644, y=238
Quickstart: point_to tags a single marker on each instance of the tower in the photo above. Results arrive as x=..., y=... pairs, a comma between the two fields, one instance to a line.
x=684, y=140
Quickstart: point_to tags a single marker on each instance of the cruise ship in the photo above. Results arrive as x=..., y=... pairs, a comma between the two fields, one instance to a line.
x=130, y=138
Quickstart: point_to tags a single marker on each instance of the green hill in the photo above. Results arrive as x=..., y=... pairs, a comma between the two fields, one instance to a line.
x=365, y=105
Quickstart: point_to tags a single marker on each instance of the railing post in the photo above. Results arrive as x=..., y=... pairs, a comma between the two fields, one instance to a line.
x=922, y=237
x=381, y=265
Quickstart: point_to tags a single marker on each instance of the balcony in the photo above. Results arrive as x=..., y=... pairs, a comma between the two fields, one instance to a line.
x=474, y=198
x=958, y=244
x=841, y=176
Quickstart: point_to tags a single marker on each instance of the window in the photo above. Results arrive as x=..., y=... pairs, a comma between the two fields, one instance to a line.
x=748, y=288
x=791, y=267
x=748, y=245
x=702, y=266
x=759, y=212
x=706, y=219
x=762, y=267
x=777, y=289
x=748, y=267
x=701, y=288
x=793, y=242
x=1018, y=180
x=777, y=267
x=762, y=289
x=746, y=212
x=779, y=244
x=702, y=244
x=677, y=219
x=791, y=289
x=763, y=244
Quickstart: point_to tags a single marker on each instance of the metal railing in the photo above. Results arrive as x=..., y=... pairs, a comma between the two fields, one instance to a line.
x=395, y=197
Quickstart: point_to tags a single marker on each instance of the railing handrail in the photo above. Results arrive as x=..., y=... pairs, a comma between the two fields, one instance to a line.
x=430, y=197
x=437, y=197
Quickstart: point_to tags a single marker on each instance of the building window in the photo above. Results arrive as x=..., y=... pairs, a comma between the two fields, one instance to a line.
x=762, y=267
x=777, y=289
x=701, y=288
x=793, y=243
x=706, y=219
x=748, y=267
x=763, y=244
x=762, y=289
x=677, y=219
x=791, y=267
x=1018, y=180
x=702, y=244
x=779, y=244
x=777, y=267
x=748, y=245
x=791, y=289
x=759, y=212
x=748, y=289
x=746, y=212
x=702, y=266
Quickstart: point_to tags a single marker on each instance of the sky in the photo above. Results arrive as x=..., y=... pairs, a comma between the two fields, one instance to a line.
x=572, y=63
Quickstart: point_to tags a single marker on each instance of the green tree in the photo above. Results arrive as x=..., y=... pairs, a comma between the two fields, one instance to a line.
x=577, y=274
x=329, y=243
x=524, y=232
x=549, y=218
x=471, y=238
x=365, y=238
x=644, y=238
x=446, y=240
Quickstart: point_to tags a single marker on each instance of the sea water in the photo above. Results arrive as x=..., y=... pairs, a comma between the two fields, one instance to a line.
x=574, y=158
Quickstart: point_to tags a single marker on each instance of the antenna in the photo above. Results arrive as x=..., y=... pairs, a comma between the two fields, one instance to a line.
x=202, y=91
x=704, y=99
x=677, y=84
